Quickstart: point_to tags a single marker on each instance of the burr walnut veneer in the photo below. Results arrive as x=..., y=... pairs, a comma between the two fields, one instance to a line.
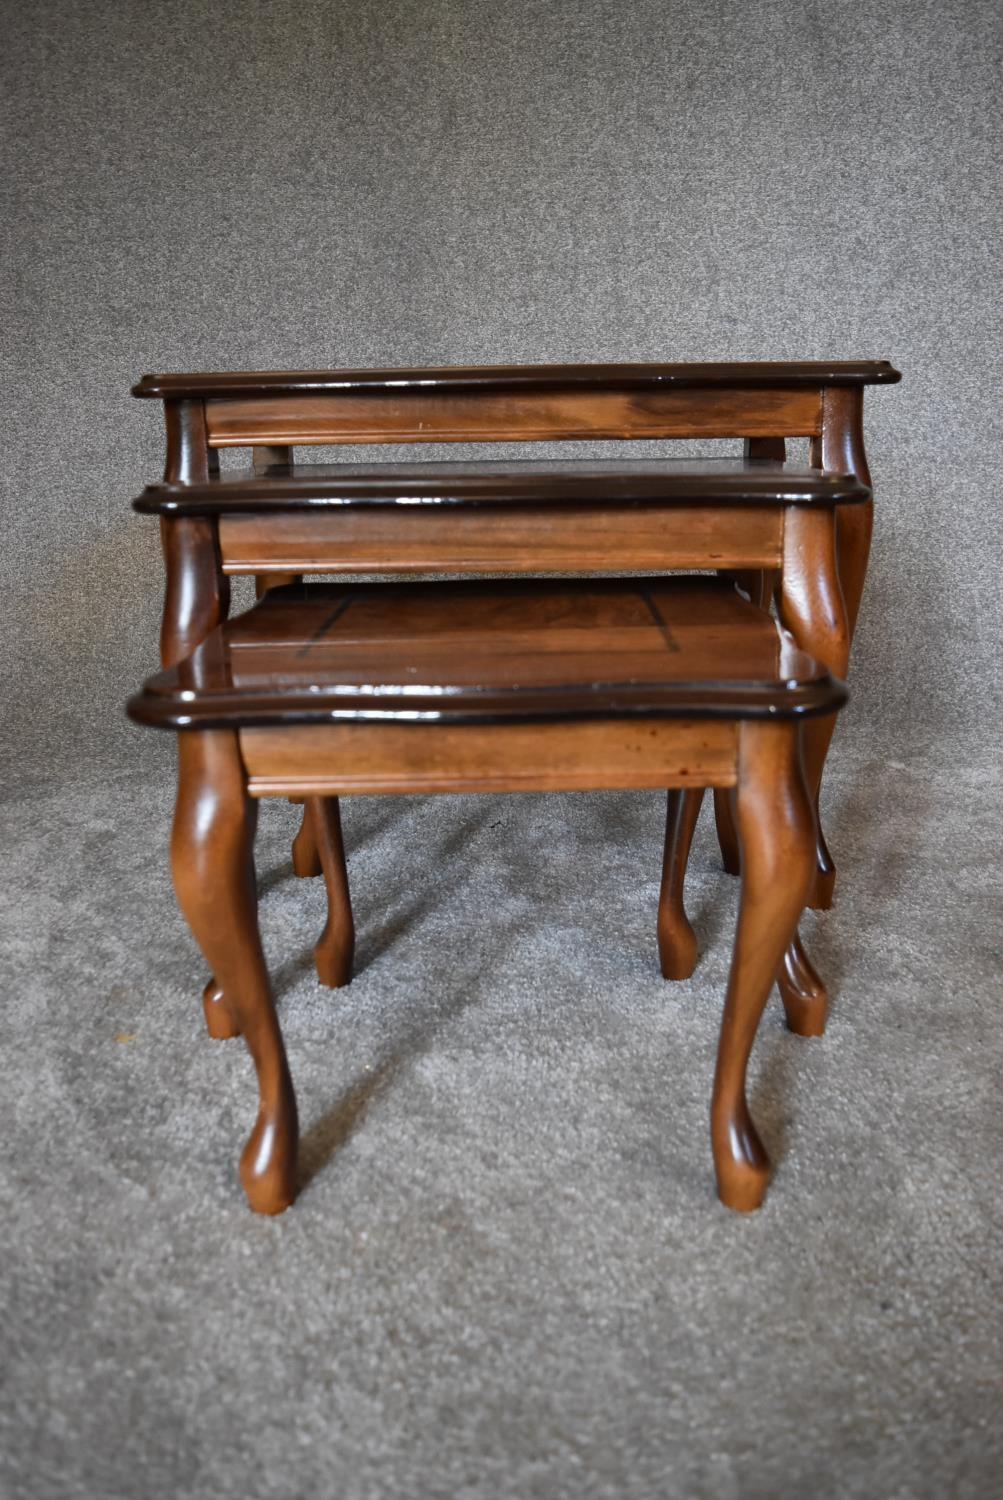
x=326, y=690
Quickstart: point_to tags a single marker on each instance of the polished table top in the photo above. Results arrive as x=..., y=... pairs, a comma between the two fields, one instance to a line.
x=749, y=373
x=636, y=481
x=679, y=647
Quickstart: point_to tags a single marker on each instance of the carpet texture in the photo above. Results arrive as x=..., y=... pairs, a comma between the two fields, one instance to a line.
x=507, y=1273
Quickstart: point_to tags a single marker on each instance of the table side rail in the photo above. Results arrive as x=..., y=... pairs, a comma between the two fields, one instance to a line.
x=513, y=416
x=606, y=754
x=518, y=540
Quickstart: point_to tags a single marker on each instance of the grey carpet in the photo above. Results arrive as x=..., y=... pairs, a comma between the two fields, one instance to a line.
x=507, y=1274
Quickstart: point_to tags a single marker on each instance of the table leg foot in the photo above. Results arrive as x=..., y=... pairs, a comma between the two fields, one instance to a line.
x=805, y=998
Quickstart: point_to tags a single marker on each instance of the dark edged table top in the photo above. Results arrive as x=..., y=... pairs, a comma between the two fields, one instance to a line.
x=672, y=481
x=491, y=652
x=520, y=377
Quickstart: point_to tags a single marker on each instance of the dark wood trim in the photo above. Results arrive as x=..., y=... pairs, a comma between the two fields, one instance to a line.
x=508, y=377
x=841, y=443
x=189, y=457
x=702, y=701
x=316, y=487
x=197, y=591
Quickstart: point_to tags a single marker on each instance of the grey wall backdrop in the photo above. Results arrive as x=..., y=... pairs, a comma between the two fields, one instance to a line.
x=506, y=1277
x=202, y=185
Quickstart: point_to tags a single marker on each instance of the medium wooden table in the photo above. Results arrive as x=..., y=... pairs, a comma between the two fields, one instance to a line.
x=492, y=686
x=757, y=517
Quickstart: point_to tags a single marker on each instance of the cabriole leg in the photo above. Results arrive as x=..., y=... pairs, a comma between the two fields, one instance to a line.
x=336, y=948
x=306, y=858
x=776, y=830
x=813, y=609
x=727, y=837
x=840, y=448
x=677, y=943
x=211, y=856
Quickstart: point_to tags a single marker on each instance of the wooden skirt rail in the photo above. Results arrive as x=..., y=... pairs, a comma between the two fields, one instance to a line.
x=511, y=539
x=632, y=755
x=489, y=416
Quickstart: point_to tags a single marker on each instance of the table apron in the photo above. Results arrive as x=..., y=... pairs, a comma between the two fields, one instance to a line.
x=475, y=539
x=627, y=754
x=570, y=413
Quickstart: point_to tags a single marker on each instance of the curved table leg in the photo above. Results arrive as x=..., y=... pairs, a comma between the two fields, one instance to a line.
x=727, y=837
x=840, y=448
x=776, y=828
x=336, y=947
x=306, y=856
x=813, y=609
x=211, y=857
x=677, y=944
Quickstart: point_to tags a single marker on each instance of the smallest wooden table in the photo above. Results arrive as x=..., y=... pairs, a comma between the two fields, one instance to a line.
x=504, y=686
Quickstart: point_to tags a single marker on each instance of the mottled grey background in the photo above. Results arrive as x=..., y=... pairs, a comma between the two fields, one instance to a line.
x=202, y=186
x=506, y=1277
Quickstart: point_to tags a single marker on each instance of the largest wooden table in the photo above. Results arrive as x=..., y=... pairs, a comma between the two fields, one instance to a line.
x=801, y=532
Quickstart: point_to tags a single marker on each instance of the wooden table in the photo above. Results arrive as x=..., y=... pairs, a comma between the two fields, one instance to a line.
x=498, y=687
x=756, y=516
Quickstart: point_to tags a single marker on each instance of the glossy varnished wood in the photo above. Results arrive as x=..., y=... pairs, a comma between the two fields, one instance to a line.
x=678, y=642
x=501, y=539
x=287, y=487
x=211, y=855
x=804, y=995
x=677, y=943
x=336, y=946
x=270, y=412
x=305, y=854
x=651, y=647
x=491, y=416
x=543, y=755
x=197, y=594
x=196, y=591
x=630, y=376
x=841, y=441
x=812, y=606
x=763, y=402
x=776, y=828
x=841, y=444
x=189, y=459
